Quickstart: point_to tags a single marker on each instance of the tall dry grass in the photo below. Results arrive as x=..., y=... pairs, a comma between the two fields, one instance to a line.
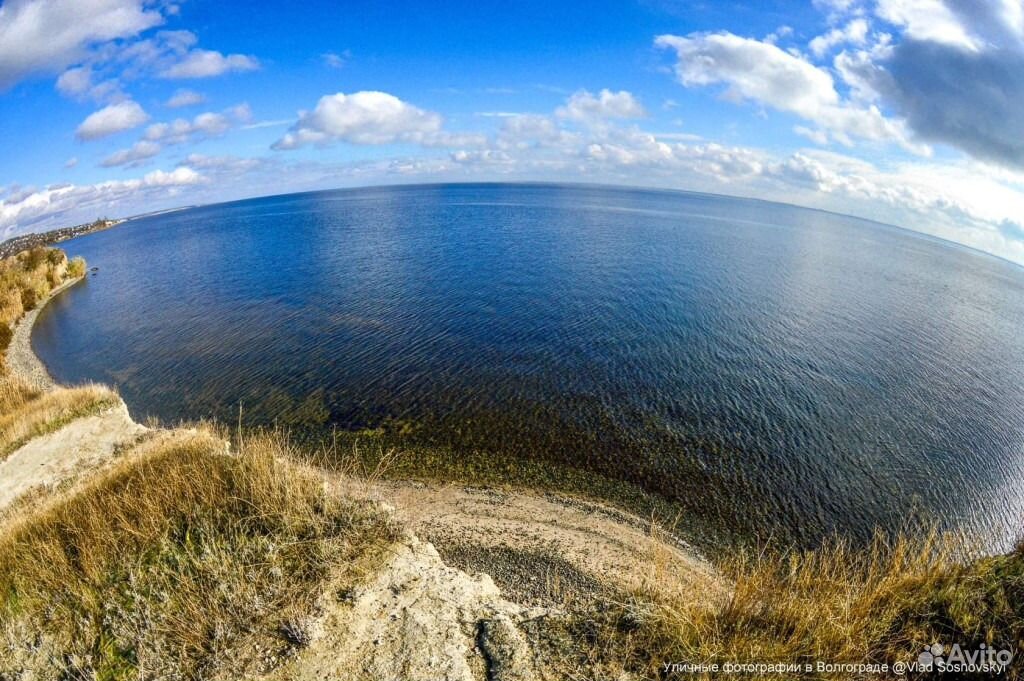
x=181, y=561
x=839, y=604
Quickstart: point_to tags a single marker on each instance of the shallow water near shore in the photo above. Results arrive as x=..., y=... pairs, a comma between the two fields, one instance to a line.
x=781, y=371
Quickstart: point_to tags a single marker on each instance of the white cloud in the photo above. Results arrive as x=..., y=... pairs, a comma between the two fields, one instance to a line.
x=76, y=81
x=855, y=32
x=183, y=98
x=182, y=175
x=335, y=60
x=200, y=63
x=763, y=73
x=203, y=126
x=70, y=204
x=367, y=117
x=71, y=162
x=752, y=70
x=112, y=119
x=523, y=131
x=928, y=20
x=583, y=106
x=207, y=124
x=956, y=74
x=140, y=151
x=962, y=202
x=45, y=36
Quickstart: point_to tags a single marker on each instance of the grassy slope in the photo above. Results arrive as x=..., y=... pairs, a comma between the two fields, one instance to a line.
x=880, y=604
x=177, y=563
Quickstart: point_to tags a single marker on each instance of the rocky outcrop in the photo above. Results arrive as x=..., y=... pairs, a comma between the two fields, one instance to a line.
x=418, y=619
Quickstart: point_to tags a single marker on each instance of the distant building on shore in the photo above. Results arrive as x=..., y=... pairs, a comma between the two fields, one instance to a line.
x=26, y=241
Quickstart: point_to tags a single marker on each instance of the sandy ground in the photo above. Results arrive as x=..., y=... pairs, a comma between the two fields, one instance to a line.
x=543, y=548
x=81, y=445
x=22, y=362
x=468, y=606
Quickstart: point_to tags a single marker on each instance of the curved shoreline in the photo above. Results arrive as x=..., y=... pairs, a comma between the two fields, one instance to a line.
x=22, y=361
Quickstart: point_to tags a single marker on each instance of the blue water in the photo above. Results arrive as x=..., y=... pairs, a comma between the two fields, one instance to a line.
x=783, y=371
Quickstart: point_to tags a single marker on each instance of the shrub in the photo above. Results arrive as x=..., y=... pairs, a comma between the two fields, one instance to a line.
x=28, y=298
x=5, y=336
x=76, y=268
x=35, y=257
x=55, y=256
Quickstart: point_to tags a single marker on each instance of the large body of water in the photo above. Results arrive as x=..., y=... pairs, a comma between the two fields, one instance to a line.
x=784, y=371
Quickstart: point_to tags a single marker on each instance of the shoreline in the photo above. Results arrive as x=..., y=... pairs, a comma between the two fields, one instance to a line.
x=22, y=360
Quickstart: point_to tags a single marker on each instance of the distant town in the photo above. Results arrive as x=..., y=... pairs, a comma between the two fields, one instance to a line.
x=24, y=242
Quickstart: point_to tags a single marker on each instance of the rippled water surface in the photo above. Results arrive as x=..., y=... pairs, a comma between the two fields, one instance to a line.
x=780, y=370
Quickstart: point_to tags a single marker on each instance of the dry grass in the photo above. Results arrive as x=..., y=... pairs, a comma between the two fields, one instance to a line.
x=25, y=414
x=179, y=562
x=877, y=604
x=30, y=276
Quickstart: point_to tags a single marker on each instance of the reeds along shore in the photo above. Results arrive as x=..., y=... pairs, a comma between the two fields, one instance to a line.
x=179, y=560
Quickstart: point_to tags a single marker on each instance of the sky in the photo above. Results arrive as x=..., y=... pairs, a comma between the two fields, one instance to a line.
x=909, y=112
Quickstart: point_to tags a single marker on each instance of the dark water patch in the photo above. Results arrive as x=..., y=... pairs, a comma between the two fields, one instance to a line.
x=775, y=370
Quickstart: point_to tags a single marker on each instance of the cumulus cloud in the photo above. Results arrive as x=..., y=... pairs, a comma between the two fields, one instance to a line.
x=368, y=117
x=76, y=81
x=583, y=106
x=956, y=75
x=45, y=36
x=523, y=131
x=198, y=63
x=207, y=124
x=762, y=72
x=855, y=32
x=79, y=83
x=140, y=151
x=183, y=98
x=73, y=204
x=181, y=130
x=930, y=21
x=112, y=119
x=962, y=202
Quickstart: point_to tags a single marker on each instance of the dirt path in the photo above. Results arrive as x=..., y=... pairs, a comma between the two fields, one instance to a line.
x=22, y=362
x=83, y=444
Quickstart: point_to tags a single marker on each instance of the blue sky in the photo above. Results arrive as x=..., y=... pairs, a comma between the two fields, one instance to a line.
x=905, y=111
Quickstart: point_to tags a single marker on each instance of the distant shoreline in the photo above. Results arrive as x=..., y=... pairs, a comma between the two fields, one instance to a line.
x=21, y=359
